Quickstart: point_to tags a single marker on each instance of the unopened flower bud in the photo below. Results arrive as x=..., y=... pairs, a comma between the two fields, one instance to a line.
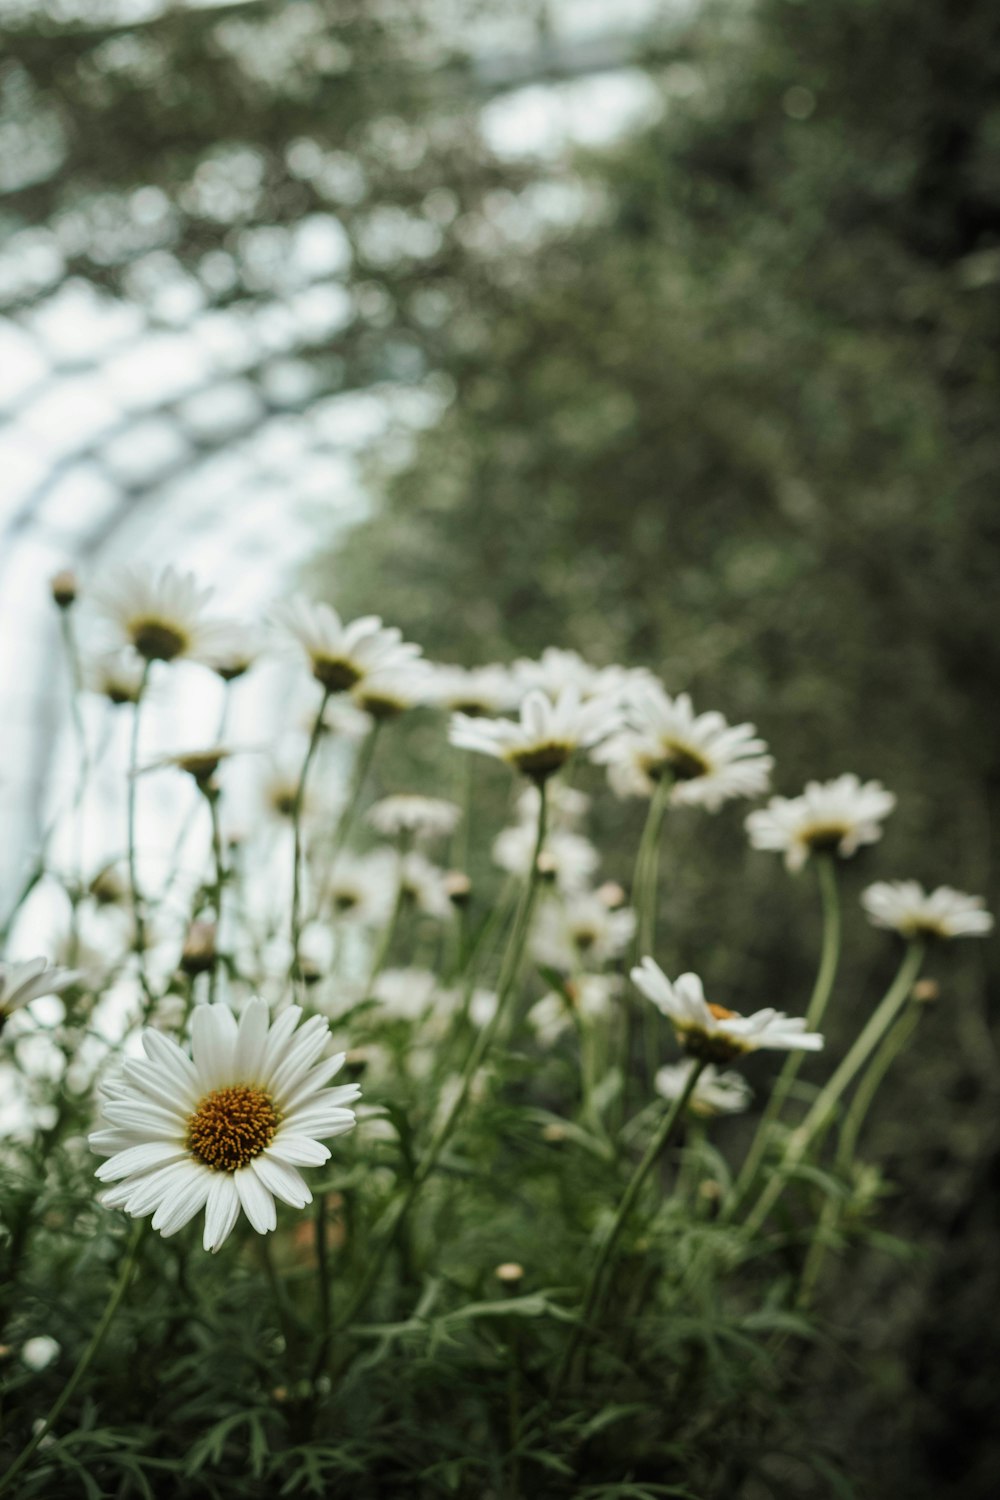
x=39, y=1352
x=198, y=953
x=309, y=971
x=554, y=1133
x=612, y=894
x=546, y=866
x=458, y=887
x=926, y=991
x=108, y=887
x=64, y=588
x=509, y=1274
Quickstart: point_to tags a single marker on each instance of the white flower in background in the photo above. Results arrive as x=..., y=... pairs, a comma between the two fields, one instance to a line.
x=404, y=994
x=829, y=817
x=342, y=655
x=474, y=691
x=591, y=996
x=20, y=983
x=387, y=692
x=581, y=928
x=567, y=858
x=161, y=613
x=235, y=652
x=424, y=884
x=715, y=1093
x=707, y=760
x=201, y=764
x=904, y=906
x=342, y=719
x=566, y=807
x=115, y=675
x=557, y=669
x=423, y=817
x=362, y=888
x=39, y=1352
x=225, y=1129
x=482, y=1004
x=546, y=735
x=711, y=1032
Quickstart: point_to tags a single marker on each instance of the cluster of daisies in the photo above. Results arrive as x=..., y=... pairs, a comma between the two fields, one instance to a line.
x=224, y=1110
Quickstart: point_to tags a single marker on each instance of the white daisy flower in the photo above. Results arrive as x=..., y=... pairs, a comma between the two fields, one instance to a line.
x=708, y=760
x=235, y=652
x=905, y=907
x=566, y=807
x=581, y=927
x=711, y=1032
x=20, y=983
x=39, y=1352
x=715, y=1093
x=589, y=995
x=387, y=692
x=225, y=1129
x=115, y=675
x=342, y=655
x=546, y=735
x=557, y=669
x=829, y=817
x=568, y=858
x=161, y=613
x=362, y=888
x=424, y=884
x=423, y=817
x=404, y=994
x=476, y=692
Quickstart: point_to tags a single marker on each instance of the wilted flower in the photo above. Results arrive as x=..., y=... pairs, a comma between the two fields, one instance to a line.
x=829, y=817
x=225, y=1129
x=711, y=1032
x=707, y=760
x=546, y=736
x=342, y=655
x=590, y=996
x=20, y=983
x=715, y=1093
x=905, y=907
x=424, y=817
x=161, y=613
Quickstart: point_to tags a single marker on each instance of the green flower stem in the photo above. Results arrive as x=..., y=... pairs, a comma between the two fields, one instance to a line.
x=893, y=1043
x=322, y=1288
x=593, y=1294
x=138, y=908
x=826, y=974
x=84, y=1362
x=509, y=973
x=300, y=796
x=644, y=893
x=826, y=1102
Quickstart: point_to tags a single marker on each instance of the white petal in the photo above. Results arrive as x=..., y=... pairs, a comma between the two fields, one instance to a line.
x=184, y=1202
x=258, y=1205
x=136, y=1159
x=222, y=1209
x=282, y=1180
x=297, y=1150
x=213, y=1042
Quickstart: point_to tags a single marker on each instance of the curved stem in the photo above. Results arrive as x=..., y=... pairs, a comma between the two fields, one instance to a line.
x=300, y=794
x=826, y=974
x=826, y=1102
x=83, y=1364
x=507, y=983
x=592, y=1296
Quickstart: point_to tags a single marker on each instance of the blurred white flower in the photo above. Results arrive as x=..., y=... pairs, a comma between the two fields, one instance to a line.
x=905, y=907
x=557, y=669
x=404, y=994
x=387, y=692
x=590, y=995
x=708, y=760
x=115, y=675
x=568, y=858
x=39, y=1352
x=225, y=1129
x=424, y=884
x=362, y=888
x=567, y=807
x=715, y=1093
x=342, y=655
x=546, y=735
x=474, y=691
x=829, y=817
x=424, y=817
x=580, y=928
x=711, y=1032
x=20, y=983
x=161, y=613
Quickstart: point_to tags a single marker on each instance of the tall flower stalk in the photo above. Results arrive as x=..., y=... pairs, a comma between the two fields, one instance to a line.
x=138, y=904
x=300, y=797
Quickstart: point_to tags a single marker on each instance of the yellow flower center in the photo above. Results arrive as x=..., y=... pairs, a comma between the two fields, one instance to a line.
x=336, y=674
x=824, y=837
x=231, y=1126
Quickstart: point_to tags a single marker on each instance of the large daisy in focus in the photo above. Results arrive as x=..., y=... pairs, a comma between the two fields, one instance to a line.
x=711, y=1032
x=162, y=614
x=225, y=1129
x=547, y=734
x=905, y=907
x=707, y=760
x=830, y=817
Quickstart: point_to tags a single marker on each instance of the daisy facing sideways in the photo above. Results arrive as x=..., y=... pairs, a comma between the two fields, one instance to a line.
x=342, y=655
x=904, y=906
x=715, y=1093
x=712, y=1033
x=162, y=614
x=20, y=983
x=546, y=736
x=225, y=1129
x=830, y=817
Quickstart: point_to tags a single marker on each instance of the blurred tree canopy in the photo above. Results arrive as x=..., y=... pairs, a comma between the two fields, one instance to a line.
x=722, y=401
